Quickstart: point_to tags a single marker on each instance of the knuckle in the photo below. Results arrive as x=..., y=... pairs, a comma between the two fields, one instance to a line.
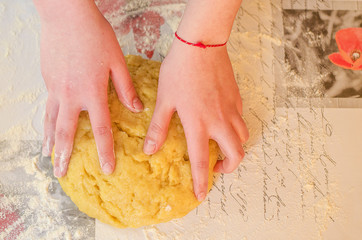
x=49, y=117
x=62, y=156
x=49, y=133
x=220, y=114
x=155, y=129
x=51, y=110
x=106, y=156
x=101, y=131
x=68, y=90
x=98, y=89
x=62, y=134
x=228, y=167
x=202, y=165
x=239, y=155
x=127, y=90
x=202, y=185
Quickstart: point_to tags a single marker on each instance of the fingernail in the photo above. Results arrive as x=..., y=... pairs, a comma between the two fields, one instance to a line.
x=61, y=169
x=137, y=104
x=57, y=172
x=63, y=166
x=201, y=196
x=45, y=152
x=149, y=146
x=107, y=168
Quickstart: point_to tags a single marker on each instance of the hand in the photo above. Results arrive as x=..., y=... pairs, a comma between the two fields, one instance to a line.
x=78, y=53
x=199, y=84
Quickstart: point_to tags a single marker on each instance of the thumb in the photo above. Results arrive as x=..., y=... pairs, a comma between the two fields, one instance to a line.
x=124, y=87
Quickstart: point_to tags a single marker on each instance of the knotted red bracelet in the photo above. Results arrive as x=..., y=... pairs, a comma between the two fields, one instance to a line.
x=199, y=44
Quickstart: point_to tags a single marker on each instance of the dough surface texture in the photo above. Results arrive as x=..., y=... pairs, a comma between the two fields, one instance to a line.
x=143, y=189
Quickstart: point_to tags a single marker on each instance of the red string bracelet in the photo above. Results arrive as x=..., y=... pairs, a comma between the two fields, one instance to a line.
x=199, y=44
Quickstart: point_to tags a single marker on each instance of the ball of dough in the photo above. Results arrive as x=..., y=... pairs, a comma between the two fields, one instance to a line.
x=143, y=189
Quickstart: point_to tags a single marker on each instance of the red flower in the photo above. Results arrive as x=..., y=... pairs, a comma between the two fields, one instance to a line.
x=349, y=41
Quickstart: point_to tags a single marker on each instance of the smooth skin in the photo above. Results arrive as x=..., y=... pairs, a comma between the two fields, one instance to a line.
x=78, y=53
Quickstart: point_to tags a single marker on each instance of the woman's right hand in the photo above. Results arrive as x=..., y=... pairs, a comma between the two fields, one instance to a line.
x=79, y=51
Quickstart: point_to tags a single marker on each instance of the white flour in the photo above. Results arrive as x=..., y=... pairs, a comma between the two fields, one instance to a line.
x=31, y=203
x=35, y=197
x=22, y=93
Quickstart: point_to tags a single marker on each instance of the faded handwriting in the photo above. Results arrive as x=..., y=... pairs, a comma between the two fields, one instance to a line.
x=240, y=198
x=293, y=159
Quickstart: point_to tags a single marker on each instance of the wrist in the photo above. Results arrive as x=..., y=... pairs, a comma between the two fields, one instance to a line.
x=208, y=21
x=206, y=38
x=179, y=48
x=198, y=32
x=198, y=44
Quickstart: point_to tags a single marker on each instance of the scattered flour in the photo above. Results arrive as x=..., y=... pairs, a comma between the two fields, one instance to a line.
x=31, y=197
x=31, y=194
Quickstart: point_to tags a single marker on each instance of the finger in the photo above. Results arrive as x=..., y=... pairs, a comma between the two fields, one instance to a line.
x=64, y=136
x=51, y=114
x=198, y=149
x=241, y=129
x=223, y=166
x=124, y=87
x=231, y=147
x=239, y=106
x=102, y=130
x=157, y=131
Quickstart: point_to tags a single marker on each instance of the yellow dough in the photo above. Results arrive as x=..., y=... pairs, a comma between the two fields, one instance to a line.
x=143, y=189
